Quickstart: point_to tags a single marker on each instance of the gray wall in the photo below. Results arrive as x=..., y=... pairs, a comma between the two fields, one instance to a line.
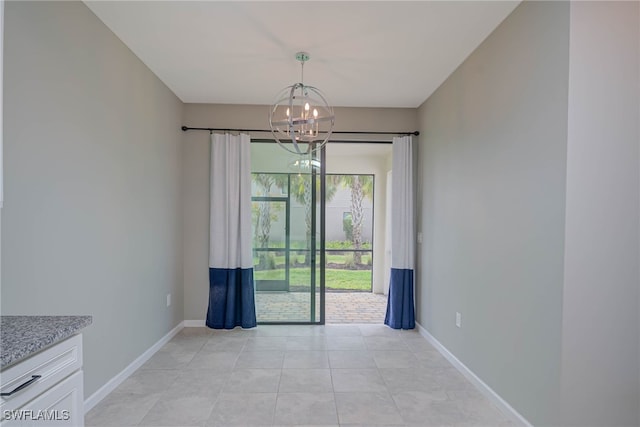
x=91, y=222
x=530, y=205
x=600, y=310
x=196, y=176
x=492, y=160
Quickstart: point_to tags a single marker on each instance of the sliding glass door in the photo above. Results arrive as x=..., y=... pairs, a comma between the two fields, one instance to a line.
x=287, y=228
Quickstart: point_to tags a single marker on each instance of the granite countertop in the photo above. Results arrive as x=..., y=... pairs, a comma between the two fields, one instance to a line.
x=22, y=336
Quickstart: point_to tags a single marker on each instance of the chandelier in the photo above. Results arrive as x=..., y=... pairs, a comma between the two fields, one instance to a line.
x=301, y=119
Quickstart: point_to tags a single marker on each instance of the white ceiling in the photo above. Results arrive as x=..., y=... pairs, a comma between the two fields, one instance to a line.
x=363, y=53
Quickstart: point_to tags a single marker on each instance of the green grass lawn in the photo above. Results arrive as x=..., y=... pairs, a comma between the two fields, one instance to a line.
x=351, y=280
x=331, y=258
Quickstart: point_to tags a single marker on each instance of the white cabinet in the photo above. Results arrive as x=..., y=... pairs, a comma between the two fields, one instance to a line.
x=53, y=394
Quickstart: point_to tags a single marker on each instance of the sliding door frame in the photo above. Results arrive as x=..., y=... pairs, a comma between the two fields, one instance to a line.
x=313, y=253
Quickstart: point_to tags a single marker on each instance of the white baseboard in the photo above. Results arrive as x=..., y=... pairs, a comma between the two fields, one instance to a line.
x=114, y=382
x=475, y=380
x=194, y=323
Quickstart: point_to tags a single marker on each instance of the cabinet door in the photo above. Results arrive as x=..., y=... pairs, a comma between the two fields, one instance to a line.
x=52, y=365
x=61, y=405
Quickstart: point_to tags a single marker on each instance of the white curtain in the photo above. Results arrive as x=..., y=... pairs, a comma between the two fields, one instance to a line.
x=231, y=288
x=400, y=305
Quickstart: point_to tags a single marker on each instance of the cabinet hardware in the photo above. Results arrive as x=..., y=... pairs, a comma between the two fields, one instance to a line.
x=33, y=379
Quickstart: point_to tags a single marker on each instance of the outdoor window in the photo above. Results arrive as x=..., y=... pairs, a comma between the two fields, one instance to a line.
x=281, y=232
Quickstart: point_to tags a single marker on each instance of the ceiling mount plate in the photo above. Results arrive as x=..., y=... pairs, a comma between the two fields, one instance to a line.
x=302, y=56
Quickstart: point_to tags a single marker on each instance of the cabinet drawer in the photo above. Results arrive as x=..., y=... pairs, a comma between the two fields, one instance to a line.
x=60, y=406
x=52, y=365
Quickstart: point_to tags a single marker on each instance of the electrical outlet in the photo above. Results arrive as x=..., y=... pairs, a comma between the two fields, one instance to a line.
x=458, y=319
x=168, y=300
x=419, y=236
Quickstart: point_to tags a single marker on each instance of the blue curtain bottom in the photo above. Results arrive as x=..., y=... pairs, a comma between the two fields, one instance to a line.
x=231, y=298
x=400, y=305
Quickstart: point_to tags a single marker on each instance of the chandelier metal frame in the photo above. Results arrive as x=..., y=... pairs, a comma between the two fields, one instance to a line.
x=301, y=119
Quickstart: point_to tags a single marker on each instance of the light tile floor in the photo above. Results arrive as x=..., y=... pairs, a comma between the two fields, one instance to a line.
x=333, y=375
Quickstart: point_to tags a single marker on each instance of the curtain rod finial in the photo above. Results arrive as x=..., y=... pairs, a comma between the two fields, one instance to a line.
x=184, y=128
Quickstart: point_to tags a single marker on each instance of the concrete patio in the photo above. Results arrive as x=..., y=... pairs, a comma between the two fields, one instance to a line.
x=341, y=307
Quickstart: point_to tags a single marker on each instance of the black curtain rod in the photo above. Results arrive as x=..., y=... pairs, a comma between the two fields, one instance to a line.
x=416, y=133
x=332, y=141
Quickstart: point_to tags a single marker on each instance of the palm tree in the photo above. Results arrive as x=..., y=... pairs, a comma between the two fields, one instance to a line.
x=301, y=192
x=264, y=215
x=361, y=186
